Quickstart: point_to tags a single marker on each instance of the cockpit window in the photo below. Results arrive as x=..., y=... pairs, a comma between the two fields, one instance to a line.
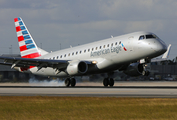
x=151, y=36
x=141, y=37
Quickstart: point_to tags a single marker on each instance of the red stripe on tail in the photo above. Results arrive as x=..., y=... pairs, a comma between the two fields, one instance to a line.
x=15, y=19
x=20, y=38
x=22, y=48
x=33, y=55
x=18, y=29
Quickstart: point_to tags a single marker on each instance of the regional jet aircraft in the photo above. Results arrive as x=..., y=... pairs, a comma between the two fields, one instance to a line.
x=122, y=53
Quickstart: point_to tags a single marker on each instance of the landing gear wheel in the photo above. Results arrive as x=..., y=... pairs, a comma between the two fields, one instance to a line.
x=67, y=82
x=106, y=82
x=73, y=82
x=111, y=82
x=144, y=73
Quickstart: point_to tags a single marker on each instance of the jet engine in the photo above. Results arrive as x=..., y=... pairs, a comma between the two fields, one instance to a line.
x=136, y=69
x=77, y=68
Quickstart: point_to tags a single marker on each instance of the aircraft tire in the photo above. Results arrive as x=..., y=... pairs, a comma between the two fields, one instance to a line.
x=111, y=82
x=106, y=82
x=73, y=82
x=144, y=73
x=67, y=82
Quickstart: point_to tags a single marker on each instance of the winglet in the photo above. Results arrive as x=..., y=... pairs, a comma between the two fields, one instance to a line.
x=28, y=47
x=166, y=54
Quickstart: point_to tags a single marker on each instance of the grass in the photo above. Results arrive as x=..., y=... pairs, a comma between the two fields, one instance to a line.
x=86, y=108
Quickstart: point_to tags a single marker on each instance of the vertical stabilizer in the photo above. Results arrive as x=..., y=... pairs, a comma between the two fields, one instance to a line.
x=28, y=48
x=166, y=54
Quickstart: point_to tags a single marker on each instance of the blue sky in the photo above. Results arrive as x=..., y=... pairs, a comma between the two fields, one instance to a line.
x=68, y=22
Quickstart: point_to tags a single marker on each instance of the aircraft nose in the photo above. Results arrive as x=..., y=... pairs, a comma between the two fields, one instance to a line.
x=161, y=47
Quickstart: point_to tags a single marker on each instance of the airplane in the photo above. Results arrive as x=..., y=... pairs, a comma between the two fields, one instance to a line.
x=122, y=53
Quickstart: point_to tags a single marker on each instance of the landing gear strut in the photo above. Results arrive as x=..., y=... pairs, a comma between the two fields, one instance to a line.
x=69, y=82
x=109, y=82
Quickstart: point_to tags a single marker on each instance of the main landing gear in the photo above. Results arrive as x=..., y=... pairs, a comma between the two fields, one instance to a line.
x=145, y=73
x=70, y=81
x=108, y=81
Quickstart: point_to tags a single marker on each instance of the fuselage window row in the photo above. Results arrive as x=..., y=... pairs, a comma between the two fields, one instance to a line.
x=57, y=57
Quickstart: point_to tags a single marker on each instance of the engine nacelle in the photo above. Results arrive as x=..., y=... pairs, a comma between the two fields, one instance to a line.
x=77, y=68
x=134, y=69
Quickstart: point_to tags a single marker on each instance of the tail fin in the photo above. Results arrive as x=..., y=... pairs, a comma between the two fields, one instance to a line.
x=166, y=54
x=28, y=48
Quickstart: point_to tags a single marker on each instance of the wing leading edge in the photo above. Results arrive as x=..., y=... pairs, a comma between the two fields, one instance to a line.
x=27, y=62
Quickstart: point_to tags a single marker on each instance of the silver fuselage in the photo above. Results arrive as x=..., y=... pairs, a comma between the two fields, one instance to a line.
x=108, y=54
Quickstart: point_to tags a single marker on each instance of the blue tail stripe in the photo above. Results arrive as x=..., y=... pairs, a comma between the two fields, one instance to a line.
x=24, y=32
x=28, y=42
x=19, y=18
x=30, y=46
x=26, y=37
x=22, y=27
x=20, y=23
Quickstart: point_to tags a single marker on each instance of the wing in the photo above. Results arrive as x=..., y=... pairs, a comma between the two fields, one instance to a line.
x=27, y=62
x=39, y=63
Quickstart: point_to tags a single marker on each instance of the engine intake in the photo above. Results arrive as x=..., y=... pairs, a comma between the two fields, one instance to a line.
x=77, y=68
x=134, y=69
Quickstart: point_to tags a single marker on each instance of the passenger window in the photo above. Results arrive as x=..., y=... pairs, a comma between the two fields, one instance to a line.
x=112, y=44
x=96, y=48
x=65, y=55
x=88, y=50
x=76, y=53
x=69, y=54
x=73, y=53
x=80, y=52
x=84, y=50
x=104, y=46
x=141, y=37
x=100, y=47
x=116, y=43
x=92, y=49
x=108, y=45
x=57, y=57
x=54, y=58
x=61, y=56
